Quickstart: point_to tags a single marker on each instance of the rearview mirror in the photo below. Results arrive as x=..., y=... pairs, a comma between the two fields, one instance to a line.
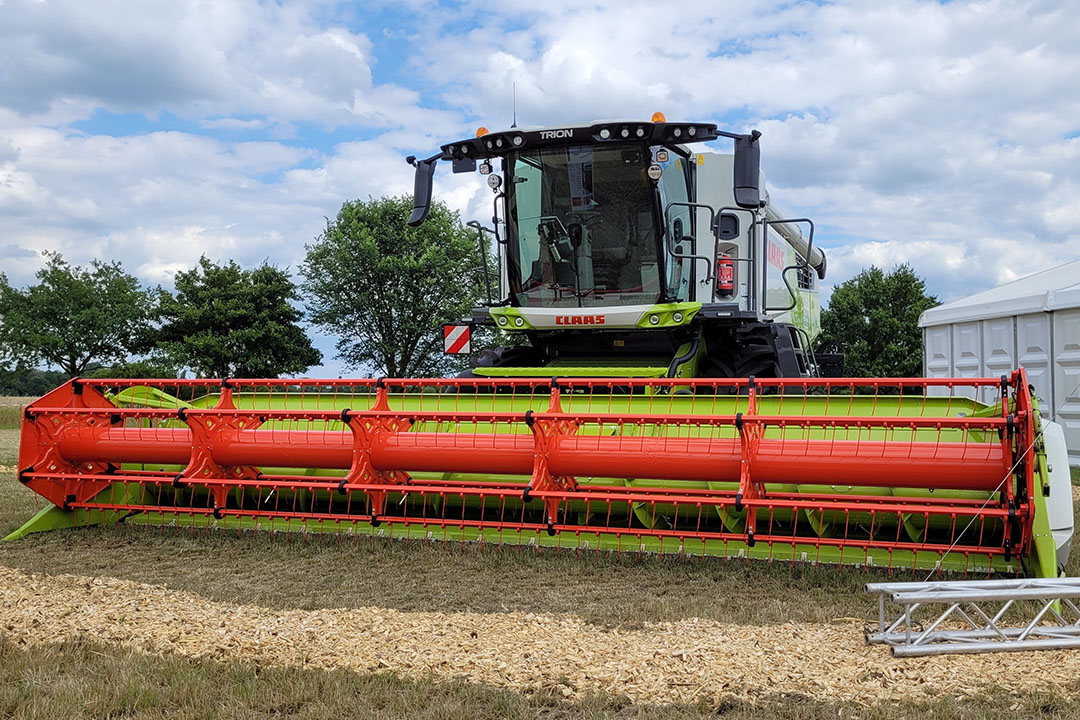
x=425, y=170
x=748, y=171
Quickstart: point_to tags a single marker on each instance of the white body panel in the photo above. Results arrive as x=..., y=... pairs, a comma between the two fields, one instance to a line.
x=714, y=188
x=714, y=173
x=1059, y=506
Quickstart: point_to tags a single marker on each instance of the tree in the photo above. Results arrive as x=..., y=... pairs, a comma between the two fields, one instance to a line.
x=385, y=288
x=873, y=319
x=25, y=382
x=74, y=316
x=225, y=321
x=152, y=367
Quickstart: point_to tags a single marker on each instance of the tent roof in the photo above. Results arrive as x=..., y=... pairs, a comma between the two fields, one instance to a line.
x=1044, y=291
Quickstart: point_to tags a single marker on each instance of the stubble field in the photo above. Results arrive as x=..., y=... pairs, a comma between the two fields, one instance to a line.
x=106, y=622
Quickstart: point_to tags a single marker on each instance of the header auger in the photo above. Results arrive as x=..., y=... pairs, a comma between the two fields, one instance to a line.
x=884, y=473
x=662, y=396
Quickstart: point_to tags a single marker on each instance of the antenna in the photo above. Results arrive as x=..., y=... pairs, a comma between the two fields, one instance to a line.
x=515, y=106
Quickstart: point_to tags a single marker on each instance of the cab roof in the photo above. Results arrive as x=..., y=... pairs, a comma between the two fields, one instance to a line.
x=464, y=153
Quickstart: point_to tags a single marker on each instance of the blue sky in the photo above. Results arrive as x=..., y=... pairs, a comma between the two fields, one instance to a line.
x=944, y=135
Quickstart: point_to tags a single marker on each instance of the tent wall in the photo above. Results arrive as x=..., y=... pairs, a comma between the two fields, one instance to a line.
x=1047, y=344
x=1067, y=377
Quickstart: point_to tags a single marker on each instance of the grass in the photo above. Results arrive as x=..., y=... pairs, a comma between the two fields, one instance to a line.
x=1075, y=473
x=81, y=679
x=9, y=447
x=11, y=411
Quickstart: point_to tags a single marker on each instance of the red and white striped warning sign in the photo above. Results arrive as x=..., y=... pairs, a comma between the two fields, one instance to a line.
x=456, y=339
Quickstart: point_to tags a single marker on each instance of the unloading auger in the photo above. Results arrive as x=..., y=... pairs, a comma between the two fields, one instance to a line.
x=909, y=474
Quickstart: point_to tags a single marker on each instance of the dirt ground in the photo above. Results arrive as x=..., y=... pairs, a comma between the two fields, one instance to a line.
x=675, y=662
x=438, y=632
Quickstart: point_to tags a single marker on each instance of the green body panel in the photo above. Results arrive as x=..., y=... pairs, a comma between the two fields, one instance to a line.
x=668, y=315
x=666, y=312
x=806, y=315
x=55, y=518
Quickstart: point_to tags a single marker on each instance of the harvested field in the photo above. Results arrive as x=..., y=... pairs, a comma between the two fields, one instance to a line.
x=333, y=628
x=88, y=679
x=679, y=662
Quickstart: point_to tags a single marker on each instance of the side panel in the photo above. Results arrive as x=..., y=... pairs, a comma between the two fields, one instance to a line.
x=937, y=354
x=967, y=349
x=999, y=351
x=1067, y=378
x=713, y=187
x=1033, y=352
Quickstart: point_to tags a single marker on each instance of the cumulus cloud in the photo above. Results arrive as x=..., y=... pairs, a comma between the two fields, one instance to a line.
x=192, y=59
x=940, y=134
x=912, y=131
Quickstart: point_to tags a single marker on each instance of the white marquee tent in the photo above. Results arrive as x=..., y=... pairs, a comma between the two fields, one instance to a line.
x=1033, y=322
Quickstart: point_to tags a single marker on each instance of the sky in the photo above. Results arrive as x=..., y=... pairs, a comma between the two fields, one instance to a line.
x=942, y=134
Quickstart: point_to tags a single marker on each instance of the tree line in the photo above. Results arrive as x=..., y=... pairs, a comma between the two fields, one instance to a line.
x=381, y=287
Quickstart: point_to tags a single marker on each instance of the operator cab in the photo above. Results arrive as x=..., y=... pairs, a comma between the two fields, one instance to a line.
x=585, y=223
x=623, y=251
x=582, y=227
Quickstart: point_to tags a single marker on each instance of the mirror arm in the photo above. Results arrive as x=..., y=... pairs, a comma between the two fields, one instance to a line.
x=753, y=136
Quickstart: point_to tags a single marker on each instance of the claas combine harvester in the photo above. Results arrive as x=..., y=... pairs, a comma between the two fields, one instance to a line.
x=661, y=396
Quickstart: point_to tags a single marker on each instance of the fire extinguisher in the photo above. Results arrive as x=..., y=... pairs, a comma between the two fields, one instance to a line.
x=725, y=274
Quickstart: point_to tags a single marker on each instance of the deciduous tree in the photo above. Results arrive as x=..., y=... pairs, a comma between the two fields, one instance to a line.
x=385, y=288
x=74, y=316
x=225, y=321
x=873, y=319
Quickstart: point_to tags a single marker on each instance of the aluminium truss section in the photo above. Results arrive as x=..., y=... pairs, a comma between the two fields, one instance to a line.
x=977, y=616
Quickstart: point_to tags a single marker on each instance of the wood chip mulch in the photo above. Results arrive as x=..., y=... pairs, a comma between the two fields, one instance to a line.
x=682, y=661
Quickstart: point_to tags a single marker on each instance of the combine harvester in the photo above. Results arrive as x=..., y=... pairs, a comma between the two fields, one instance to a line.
x=664, y=398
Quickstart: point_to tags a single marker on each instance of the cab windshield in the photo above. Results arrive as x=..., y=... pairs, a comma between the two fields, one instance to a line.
x=581, y=227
